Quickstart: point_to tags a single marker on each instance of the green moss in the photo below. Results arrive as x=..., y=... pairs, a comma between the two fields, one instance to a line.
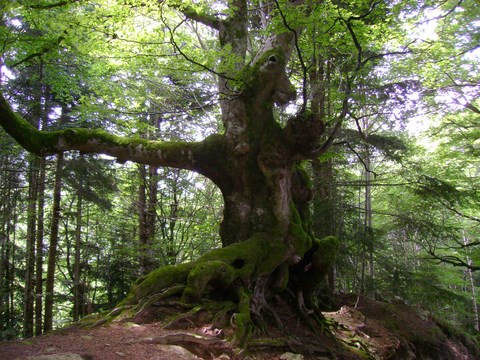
x=260, y=254
x=300, y=239
x=327, y=249
x=243, y=325
x=213, y=272
x=250, y=73
x=306, y=179
x=158, y=280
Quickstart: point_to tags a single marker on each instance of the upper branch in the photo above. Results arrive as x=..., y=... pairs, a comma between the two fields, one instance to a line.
x=196, y=156
x=453, y=260
x=51, y=6
x=191, y=13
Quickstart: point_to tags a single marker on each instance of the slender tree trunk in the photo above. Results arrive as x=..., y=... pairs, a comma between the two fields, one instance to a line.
x=11, y=276
x=28, y=313
x=7, y=271
x=77, y=293
x=172, y=216
x=147, y=202
x=4, y=260
x=52, y=249
x=5, y=214
x=324, y=223
x=39, y=250
x=151, y=215
x=369, y=223
x=142, y=220
x=471, y=281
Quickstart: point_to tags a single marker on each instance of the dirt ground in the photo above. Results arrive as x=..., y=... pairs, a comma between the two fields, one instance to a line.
x=373, y=330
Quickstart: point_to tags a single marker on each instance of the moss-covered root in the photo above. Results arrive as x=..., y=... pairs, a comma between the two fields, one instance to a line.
x=322, y=260
x=157, y=281
x=309, y=275
x=215, y=272
x=241, y=321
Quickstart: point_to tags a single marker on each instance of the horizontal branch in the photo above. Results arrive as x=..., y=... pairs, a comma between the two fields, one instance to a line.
x=197, y=156
x=51, y=6
x=46, y=49
x=453, y=260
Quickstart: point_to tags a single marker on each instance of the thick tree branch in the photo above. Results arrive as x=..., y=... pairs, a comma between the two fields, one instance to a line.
x=51, y=6
x=197, y=156
x=192, y=14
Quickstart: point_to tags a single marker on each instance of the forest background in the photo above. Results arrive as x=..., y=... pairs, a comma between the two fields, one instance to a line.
x=398, y=187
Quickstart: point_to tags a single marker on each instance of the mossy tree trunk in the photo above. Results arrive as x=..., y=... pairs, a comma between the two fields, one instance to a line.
x=266, y=228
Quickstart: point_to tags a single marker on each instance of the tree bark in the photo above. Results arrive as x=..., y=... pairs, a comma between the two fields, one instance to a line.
x=147, y=200
x=52, y=249
x=39, y=250
x=476, y=320
x=266, y=230
x=28, y=314
x=77, y=281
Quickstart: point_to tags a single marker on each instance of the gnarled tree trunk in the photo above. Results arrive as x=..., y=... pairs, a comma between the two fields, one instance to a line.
x=266, y=228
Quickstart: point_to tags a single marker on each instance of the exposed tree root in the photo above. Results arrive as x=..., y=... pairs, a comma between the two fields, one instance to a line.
x=232, y=288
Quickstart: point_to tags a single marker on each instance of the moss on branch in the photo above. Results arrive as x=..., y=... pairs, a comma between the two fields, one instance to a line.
x=197, y=156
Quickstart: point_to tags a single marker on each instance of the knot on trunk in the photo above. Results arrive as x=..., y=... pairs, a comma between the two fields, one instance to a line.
x=303, y=133
x=275, y=82
x=267, y=81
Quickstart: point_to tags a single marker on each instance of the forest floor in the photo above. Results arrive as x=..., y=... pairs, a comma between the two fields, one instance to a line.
x=372, y=330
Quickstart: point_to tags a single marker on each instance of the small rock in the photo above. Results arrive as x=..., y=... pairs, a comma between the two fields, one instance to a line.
x=120, y=354
x=64, y=356
x=223, y=357
x=291, y=356
x=176, y=352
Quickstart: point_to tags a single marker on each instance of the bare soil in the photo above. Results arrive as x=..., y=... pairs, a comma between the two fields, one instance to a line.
x=372, y=330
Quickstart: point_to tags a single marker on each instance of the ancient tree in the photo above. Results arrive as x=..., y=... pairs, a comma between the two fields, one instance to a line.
x=266, y=229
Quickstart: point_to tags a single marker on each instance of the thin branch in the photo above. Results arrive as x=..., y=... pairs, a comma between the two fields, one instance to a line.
x=392, y=53
x=300, y=57
x=338, y=122
x=363, y=16
x=467, y=104
x=452, y=260
x=356, y=43
x=47, y=48
x=359, y=128
x=457, y=212
x=359, y=157
x=449, y=12
x=188, y=58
